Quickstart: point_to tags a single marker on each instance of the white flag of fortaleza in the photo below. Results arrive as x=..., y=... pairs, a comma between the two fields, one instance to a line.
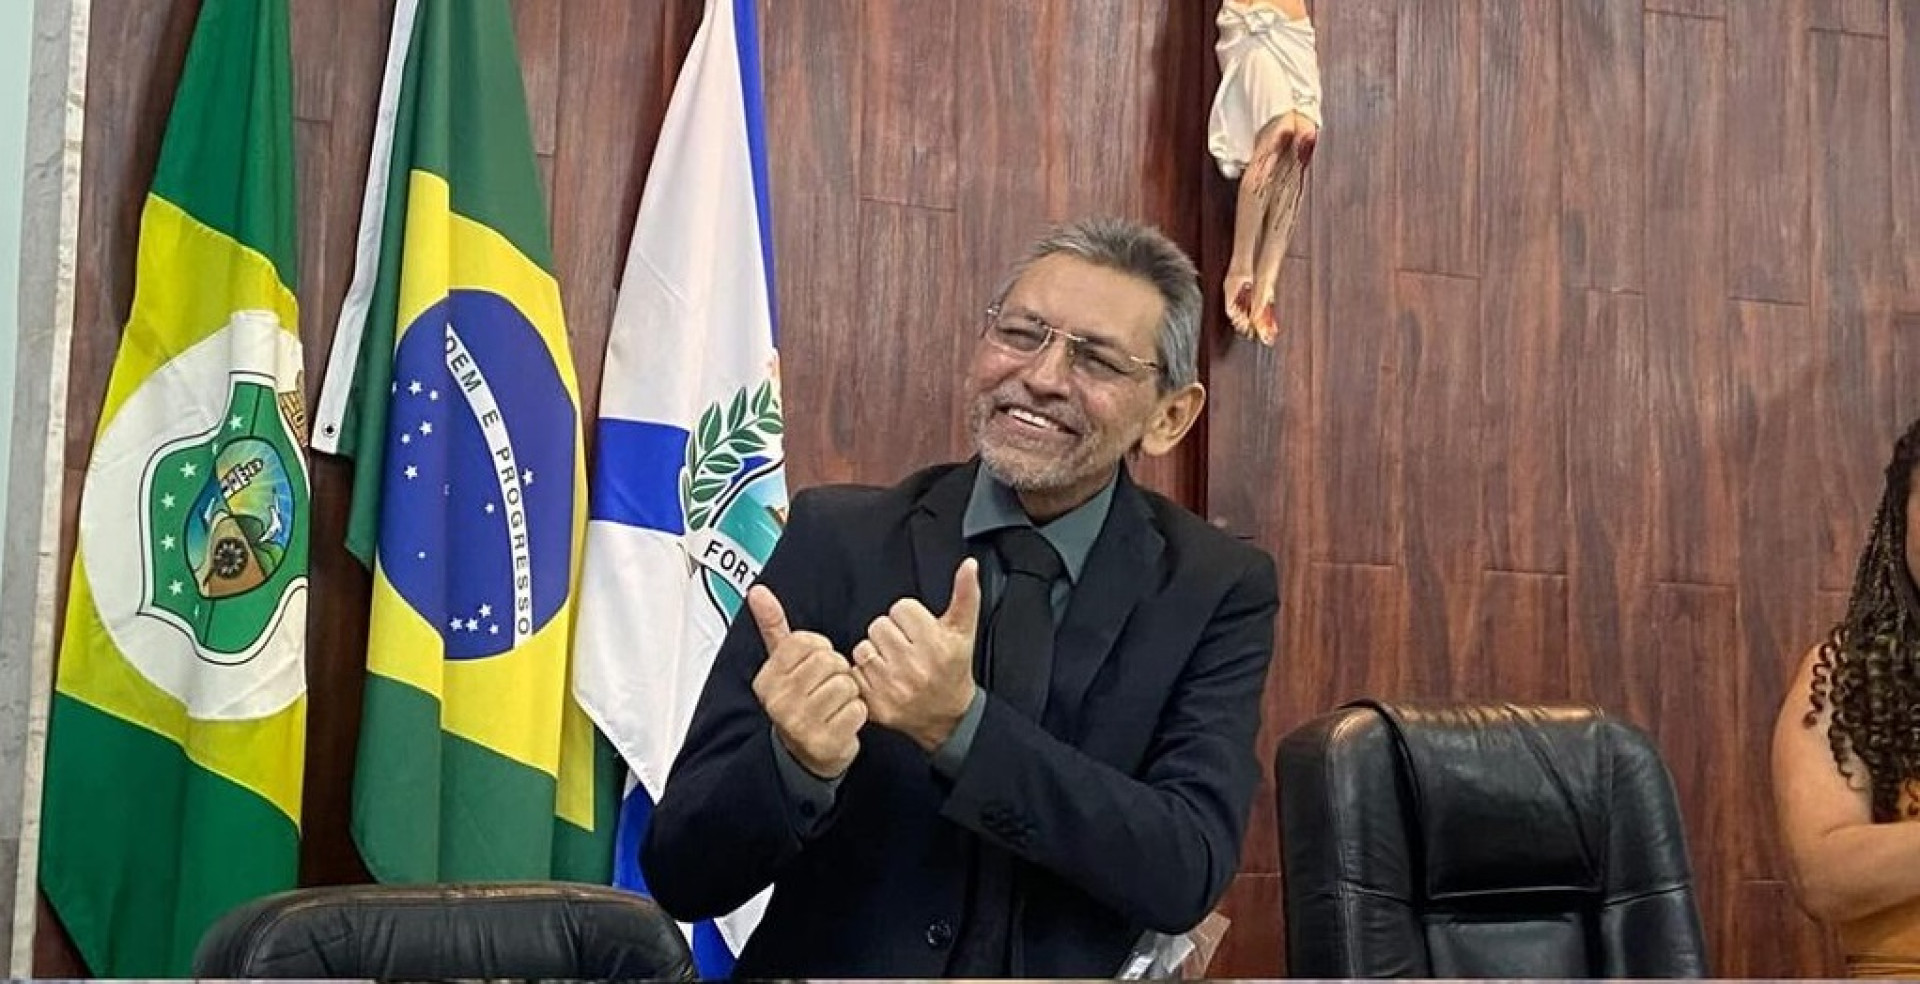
x=688, y=494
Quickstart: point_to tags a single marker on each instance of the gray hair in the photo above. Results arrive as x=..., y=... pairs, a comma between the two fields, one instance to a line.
x=1141, y=251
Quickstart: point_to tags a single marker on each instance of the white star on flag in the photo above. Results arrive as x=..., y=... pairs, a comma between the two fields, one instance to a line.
x=188, y=470
x=412, y=472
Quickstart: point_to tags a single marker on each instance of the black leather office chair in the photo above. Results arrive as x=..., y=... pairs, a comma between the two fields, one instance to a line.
x=1482, y=840
x=437, y=932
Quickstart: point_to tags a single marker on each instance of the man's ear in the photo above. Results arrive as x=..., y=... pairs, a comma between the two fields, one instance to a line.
x=1173, y=416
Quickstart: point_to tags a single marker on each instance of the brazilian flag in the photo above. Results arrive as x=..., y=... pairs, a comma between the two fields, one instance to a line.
x=452, y=387
x=178, y=727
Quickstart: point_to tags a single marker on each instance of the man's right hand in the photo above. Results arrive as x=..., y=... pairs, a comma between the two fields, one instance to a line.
x=808, y=690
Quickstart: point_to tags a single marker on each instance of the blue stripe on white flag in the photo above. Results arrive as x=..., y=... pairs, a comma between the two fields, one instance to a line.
x=746, y=37
x=636, y=479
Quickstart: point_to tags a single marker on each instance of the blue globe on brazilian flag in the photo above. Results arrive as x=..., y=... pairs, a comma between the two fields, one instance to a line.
x=452, y=387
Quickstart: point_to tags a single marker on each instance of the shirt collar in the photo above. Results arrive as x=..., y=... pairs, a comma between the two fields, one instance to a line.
x=994, y=506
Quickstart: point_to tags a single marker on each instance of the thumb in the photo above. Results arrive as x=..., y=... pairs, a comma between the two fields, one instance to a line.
x=963, y=609
x=768, y=615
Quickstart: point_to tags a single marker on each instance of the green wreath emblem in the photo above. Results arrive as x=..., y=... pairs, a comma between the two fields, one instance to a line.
x=721, y=444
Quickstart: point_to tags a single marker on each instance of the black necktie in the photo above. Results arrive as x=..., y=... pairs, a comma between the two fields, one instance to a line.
x=1020, y=654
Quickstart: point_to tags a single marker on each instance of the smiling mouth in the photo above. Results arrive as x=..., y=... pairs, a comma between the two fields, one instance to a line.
x=1036, y=420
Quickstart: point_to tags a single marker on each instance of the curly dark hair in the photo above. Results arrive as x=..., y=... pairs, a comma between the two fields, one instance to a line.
x=1868, y=669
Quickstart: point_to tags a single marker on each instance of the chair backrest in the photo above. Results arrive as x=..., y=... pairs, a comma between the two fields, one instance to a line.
x=1482, y=840
x=436, y=932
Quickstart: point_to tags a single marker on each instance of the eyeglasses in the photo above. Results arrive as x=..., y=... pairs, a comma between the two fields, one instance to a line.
x=1092, y=359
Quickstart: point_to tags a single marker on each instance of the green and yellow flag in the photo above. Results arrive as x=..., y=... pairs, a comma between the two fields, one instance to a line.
x=453, y=389
x=178, y=725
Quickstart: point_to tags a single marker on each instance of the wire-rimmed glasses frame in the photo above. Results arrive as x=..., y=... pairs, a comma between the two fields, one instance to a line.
x=1092, y=359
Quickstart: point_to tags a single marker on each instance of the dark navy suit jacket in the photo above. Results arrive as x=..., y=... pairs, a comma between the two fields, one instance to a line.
x=1126, y=804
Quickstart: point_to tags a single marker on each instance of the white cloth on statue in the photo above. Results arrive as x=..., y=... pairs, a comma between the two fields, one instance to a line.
x=1268, y=68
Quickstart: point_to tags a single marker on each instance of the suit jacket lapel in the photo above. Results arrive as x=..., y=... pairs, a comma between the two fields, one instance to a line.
x=934, y=532
x=1124, y=563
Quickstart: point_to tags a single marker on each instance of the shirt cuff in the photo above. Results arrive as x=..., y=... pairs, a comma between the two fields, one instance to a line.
x=812, y=797
x=952, y=753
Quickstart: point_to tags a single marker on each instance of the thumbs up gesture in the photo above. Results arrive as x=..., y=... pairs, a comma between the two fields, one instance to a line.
x=808, y=691
x=915, y=668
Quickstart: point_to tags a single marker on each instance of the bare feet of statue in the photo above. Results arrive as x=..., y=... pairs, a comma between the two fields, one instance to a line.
x=1268, y=202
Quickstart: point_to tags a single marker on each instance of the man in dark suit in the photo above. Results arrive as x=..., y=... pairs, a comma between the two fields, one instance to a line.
x=927, y=806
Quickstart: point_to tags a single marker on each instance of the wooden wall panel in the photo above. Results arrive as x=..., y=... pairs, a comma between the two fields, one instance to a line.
x=1852, y=288
x=907, y=133
x=1598, y=326
x=1352, y=621
x=1524, y=350
x=1520, y=643
x=1867, y=17
x=1437, y=119
x=811, y=62
x=1358, y=393
x=1259, y=478
x=900, y=251
x=1609, y=458
x=1765, y=165
x=1006, y=91
x=1446, y=421
x=1603, y=143
x=1693, y=535
x=1775, y=366
x=1711, y=9
x=1904, y=48
x=536, y=29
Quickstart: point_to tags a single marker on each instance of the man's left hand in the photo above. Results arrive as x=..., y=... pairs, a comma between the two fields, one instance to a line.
x=915, y=669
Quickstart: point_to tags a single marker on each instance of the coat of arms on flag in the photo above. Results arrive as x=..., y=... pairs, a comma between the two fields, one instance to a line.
x=733, y=494
x=217, y=502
